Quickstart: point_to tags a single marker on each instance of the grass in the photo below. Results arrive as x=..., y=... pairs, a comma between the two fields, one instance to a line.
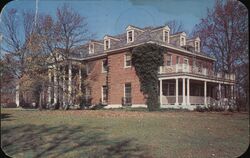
x=121, y=133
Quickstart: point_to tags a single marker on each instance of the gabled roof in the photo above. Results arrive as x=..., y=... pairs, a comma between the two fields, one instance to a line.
x=129, y=27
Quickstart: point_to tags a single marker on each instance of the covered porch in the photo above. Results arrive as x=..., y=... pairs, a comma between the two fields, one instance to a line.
x=188, y=92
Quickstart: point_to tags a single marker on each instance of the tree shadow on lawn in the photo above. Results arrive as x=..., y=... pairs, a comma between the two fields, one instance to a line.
x=6, y=117
x=75, y=141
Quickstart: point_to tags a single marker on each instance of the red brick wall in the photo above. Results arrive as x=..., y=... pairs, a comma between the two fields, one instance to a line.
x=206, y=63
x=96, y=79
x=118, y=76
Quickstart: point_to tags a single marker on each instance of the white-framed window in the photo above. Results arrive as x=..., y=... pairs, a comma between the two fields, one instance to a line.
x=182, y=42
x=104, y=65
x=177, y=60
x=104, y=94
x=91, y=48
x=127, y=94
x=87, y=92
x=169, y=60
x=106, y=44
x=199, y=65
x=166, y=36
x=127, y=60
x=130, y=36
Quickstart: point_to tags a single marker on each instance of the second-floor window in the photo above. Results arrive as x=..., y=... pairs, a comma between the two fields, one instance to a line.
x=104, y=65
x=177, y=60
x=199, y=65
x=128, y=61
x=169, y=60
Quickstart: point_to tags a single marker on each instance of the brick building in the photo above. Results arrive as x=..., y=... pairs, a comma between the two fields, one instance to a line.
x=105, y=74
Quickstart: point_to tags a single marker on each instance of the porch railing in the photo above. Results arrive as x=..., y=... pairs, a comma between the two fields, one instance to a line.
x=184, y=68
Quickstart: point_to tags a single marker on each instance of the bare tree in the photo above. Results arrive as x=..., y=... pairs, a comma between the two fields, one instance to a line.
x=175, y=26
x=224, y=34
x=15, y=43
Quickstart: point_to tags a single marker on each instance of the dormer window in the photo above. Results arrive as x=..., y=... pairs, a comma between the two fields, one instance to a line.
x=91, y=48
x=182, y=42
x=196, y=46
x=166, y=36
x=130, y=36
x=106, y=44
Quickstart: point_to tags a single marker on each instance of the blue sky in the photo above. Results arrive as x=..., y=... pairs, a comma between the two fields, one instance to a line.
x=112, y=16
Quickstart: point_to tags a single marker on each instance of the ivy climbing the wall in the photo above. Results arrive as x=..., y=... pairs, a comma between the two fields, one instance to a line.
x=146, y=59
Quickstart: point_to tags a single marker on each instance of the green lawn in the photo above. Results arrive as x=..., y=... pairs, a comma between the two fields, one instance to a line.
x=119, y=133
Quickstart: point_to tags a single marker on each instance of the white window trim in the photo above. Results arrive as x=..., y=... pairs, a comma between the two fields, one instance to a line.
x=171, y=56
x=164, y=37
x=198, y=46
x=179, y=60
x=184, y=42
x=125, y=59
x=106, y=45
x=133, y=37
x=124, y=87
x=91, y=51
x=103, y=71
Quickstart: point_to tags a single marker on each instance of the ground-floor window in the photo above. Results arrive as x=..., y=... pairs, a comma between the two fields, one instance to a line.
x=127, y=94
x=104, y=94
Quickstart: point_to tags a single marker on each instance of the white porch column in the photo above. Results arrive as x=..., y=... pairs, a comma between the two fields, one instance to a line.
x=232, y=92
x=188, y=89
x=183, y=92
x=160, y=92
x=80, y=79
x=17, y=94
x=205, y=93
x=176, y=92
x=219, y=91
x=49, y=88
x=55, y=85
x=70, y=84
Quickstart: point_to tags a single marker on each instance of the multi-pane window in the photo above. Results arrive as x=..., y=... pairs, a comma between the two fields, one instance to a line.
x=169, y=60
x=199, y=65
x=169, y=89
x=177, y=60
x=87, y=92
x=104, y=94
x=128, y=60
x=128, y=93
x=104, y=65
x=130, y=36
